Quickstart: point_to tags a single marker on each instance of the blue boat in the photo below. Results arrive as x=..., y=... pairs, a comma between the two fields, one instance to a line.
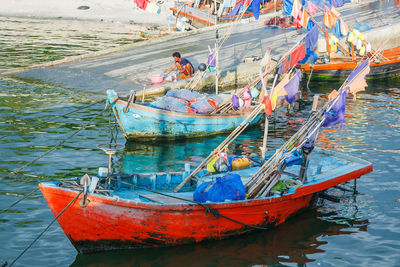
x=144, y=121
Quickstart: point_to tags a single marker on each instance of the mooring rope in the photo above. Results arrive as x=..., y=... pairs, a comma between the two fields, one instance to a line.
x=16, y=202
x=214, y=212
x=53, y=148
x=30, y=245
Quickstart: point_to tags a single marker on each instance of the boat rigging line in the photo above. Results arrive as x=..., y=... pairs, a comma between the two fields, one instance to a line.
x=30, y=245
x=59, y=116
x=16, y=202
x=54, y=147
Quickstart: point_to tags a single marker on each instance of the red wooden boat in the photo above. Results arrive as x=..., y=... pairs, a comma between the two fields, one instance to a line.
x=386, y=67
x=128, y=217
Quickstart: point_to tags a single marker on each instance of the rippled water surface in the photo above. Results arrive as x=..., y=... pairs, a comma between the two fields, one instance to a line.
x=361, y=230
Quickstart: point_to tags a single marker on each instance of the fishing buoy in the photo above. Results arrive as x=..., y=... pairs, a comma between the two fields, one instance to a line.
x=351, y=37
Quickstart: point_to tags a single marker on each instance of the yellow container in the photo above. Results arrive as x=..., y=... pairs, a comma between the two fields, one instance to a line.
x=240, y=163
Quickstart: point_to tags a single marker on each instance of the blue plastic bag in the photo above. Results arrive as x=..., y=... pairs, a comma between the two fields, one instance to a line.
x=229, y=187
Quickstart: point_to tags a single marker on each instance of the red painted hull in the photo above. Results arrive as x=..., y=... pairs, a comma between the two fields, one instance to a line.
x=109, y=223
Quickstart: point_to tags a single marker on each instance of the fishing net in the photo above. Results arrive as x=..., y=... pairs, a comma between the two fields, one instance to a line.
x=170, y=103
x=184, y=94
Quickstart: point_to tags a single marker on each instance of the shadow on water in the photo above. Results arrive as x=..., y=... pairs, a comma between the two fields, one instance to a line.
x=295, y=241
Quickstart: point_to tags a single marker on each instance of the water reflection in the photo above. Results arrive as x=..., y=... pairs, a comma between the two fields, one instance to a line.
x=296, y=241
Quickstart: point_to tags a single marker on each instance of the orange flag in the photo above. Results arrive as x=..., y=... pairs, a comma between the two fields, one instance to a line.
x=335, y=12
x=304, y=19
x=359, y=83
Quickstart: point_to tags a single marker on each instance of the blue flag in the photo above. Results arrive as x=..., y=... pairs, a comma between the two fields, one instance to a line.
x=255, y=7
x=287, y=7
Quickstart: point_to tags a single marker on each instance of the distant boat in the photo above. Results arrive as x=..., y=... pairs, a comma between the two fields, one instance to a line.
x=144, y=121
x=381, y=68
x=199, y=14
x=127, y=217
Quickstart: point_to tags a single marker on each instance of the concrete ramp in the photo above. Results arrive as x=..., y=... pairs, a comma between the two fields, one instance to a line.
x=130, y=67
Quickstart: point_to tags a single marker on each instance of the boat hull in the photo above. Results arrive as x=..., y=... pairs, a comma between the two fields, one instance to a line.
x=385, y=69
x=108, y=223
x=145, y=122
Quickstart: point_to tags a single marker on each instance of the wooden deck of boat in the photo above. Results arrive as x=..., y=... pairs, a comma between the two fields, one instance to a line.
x=162, y=199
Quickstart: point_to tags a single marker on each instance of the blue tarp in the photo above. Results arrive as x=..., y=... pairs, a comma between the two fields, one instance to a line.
x=229, y=187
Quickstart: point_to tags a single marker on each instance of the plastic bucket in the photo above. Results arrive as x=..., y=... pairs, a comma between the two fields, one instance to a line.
x=157, y=78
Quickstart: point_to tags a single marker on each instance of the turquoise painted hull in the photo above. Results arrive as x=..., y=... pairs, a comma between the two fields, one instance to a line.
x=146, y=122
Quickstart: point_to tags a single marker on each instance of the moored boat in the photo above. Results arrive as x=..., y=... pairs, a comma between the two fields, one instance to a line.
x=130, y=217
x=144, y=121
x=200, y=14
x=384, y=67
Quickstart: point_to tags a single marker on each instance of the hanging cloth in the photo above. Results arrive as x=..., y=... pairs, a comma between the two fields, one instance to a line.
x=344, y=29
x=337, y=28
x=279, y=90
x=142, y=4
x=296, y=9
x=235, y=10
x=292, y=87
x=312, y=38
x=312, y=8
x=335, y=12
x=328, y=19
x=287, y=7
x=298, y=54
x=310, y=25
x=255, y=7
x=304, y=19
x=336, y=114
x=152, y=8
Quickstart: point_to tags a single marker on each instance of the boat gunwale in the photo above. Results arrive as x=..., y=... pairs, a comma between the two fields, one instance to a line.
x=305, y=189
x=184, y=115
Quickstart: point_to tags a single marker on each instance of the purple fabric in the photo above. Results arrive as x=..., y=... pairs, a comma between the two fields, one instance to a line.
x=211, y=61
x=292, y=87
x=312, y=38
x=357, y=70
x=336, y=114
x=235, y=10
x=235, y=102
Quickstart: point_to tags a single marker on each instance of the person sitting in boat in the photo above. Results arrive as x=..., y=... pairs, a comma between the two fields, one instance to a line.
x=184, y=66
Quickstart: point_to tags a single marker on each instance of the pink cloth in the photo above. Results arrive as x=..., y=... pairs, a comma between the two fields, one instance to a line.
x=142, y=4
x=312, y=8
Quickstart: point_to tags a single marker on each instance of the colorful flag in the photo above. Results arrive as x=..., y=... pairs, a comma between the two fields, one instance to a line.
x=312, y=8
x=142, y=4
x=287, y=7
x=335, y=12
x=336, y=114
x=344, y=29
x=328, y=19
x=152, y=8
x=304, y=19
x=312, y=38
x=267, y=105
x=296, y=9
x=279, y=91
x=358, y=82
x=298, y=54
x=292, y=87
x=255, y=7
